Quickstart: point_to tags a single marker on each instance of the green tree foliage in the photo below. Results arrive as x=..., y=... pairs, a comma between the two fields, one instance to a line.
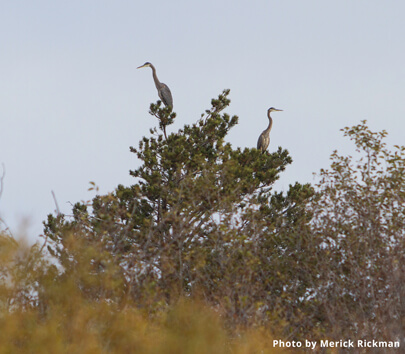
x=201, y=220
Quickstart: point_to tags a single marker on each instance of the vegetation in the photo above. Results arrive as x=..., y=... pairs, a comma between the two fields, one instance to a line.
x=201, y=255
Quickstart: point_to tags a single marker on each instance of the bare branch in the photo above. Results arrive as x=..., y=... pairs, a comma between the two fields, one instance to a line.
x=7, y=229
x=56, y=202
x=2, y=179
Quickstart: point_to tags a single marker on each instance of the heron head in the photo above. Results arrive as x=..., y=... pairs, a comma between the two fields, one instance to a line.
x=272, y=109
x=144, y=65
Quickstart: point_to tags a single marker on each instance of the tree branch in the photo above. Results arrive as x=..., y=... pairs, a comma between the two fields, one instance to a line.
x=2, y=179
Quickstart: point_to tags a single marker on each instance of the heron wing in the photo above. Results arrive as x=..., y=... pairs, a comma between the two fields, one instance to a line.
x=165, y=95
x=259, y=142
x=263, y=142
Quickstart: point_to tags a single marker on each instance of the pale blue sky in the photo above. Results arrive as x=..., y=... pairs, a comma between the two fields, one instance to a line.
x=72, y=101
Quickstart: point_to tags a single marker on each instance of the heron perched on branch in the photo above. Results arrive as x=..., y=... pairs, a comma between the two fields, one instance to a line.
x=163, y=91
x=264, y=138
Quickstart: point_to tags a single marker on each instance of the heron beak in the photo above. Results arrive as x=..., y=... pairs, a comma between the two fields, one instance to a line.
x=142, y=66
x=278, y=110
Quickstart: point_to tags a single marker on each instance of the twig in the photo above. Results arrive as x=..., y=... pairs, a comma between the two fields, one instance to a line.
x=59, y=213
x=7, y=229
x=2, y=179
x=56, y=202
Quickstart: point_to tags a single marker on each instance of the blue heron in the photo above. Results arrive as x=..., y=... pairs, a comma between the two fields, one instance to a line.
x=163, y=91
x=264, y=138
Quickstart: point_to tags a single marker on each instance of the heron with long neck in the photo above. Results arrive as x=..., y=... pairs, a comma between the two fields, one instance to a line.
x=163, y=91
x=264, y=138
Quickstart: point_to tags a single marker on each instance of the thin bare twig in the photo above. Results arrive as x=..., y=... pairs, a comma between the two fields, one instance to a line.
x=7, y=229
x=2, y=179
x=56, y=202
x=58, y=213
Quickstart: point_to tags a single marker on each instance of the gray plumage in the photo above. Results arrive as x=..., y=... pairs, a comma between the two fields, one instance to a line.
x=163, y=90
x=264, y=138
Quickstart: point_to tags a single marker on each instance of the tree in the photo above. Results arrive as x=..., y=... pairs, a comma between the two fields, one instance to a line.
x=201, y=220
x=358, y=228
